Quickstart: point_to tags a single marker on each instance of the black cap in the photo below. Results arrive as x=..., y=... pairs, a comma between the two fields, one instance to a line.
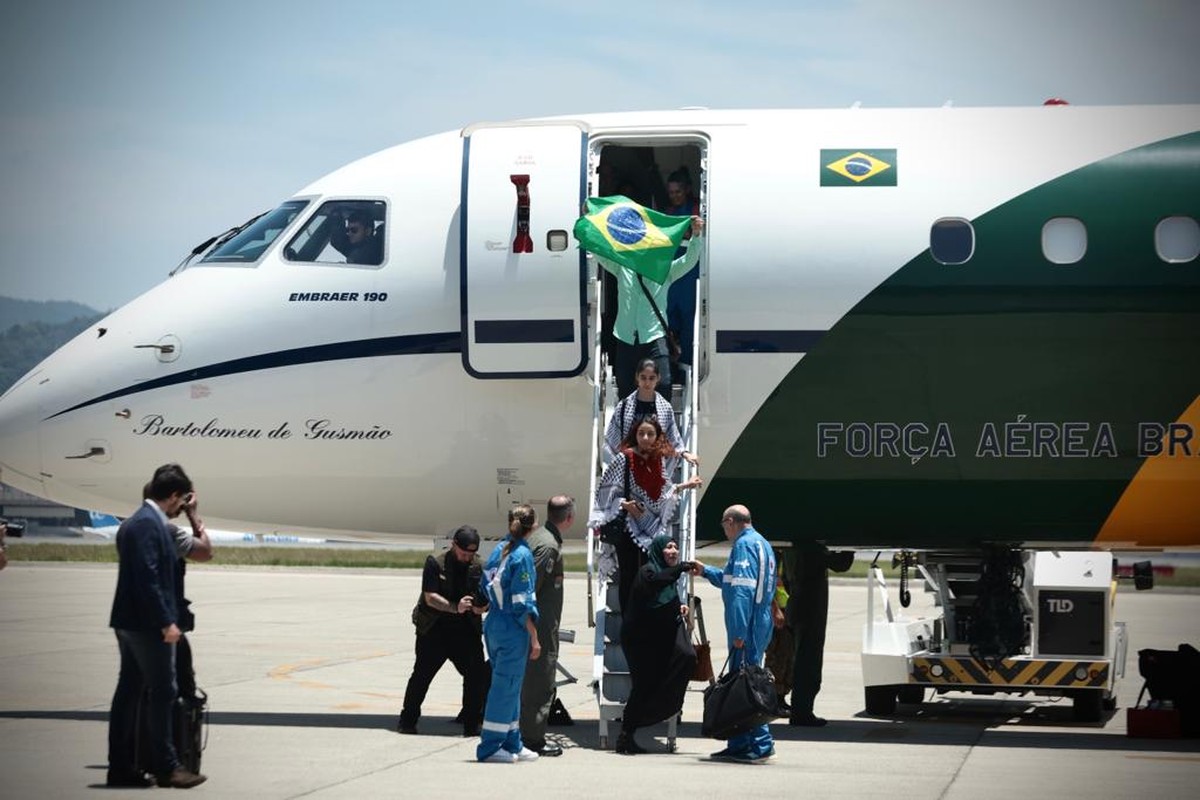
x=466, y=537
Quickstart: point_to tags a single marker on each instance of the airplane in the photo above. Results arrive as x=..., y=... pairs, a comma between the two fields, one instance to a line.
x=943, y=329
x=105, y=526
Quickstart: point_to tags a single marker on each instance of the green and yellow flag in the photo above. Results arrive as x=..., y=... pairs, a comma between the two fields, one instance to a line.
x=626, y=233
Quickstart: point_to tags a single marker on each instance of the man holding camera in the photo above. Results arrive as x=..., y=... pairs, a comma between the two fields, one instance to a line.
x=145, y=616
x=448, y=622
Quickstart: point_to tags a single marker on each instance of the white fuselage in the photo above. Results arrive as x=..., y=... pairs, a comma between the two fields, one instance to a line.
x=320, y=438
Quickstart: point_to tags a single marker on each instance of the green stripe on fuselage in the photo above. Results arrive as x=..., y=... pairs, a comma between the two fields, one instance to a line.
x=1103, y=344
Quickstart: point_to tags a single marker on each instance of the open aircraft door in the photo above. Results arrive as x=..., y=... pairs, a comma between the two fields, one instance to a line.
x=523, y=277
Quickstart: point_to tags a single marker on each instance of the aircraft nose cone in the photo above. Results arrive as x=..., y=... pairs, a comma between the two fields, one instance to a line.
x=20, y=442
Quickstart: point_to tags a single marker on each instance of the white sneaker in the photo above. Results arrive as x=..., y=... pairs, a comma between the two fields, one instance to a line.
x=501, y=757
x=527, y=755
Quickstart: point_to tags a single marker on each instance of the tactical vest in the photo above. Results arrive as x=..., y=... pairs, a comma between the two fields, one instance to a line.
x=425, y=618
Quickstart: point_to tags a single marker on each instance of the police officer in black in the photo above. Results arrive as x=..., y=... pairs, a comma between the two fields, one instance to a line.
x=448, y=622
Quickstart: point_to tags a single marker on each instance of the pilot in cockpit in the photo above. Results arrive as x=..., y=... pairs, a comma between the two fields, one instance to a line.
x=357, y=239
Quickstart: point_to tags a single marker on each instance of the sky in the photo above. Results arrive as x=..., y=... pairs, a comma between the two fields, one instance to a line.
x=132, y=130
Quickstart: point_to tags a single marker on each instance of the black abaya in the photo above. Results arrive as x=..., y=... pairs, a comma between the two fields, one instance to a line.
x=658, y=648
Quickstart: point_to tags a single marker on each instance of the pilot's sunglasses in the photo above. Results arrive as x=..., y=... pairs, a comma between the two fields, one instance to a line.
x=354, y=229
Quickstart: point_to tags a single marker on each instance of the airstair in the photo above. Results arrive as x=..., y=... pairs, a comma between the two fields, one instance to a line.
x=610, y=669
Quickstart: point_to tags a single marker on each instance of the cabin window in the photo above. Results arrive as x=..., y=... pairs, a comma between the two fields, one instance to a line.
x=1177, y=240
x=247, y=244
x=346, y=232
x=1064, y=240
x=951, y=241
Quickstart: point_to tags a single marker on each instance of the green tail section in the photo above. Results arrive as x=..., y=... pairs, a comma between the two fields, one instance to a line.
x=994, y=400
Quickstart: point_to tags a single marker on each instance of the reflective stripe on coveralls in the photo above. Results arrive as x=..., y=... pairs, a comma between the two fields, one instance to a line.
x=509, y=583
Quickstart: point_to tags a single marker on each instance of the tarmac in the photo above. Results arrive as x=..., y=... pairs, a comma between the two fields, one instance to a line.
x=306, y=668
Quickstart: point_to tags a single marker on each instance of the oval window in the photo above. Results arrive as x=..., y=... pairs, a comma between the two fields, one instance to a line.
x=951, y=241
x=1064, y=240
x=1177, y=240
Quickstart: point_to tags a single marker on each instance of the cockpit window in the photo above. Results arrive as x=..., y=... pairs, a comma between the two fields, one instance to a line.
x=246, y=245
x=342, y=232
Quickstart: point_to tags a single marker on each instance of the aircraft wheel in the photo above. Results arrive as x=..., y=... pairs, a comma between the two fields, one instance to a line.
x=880, y=700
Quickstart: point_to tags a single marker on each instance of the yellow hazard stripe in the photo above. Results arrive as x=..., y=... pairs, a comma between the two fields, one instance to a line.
x=968, y=672
x=1024, y=675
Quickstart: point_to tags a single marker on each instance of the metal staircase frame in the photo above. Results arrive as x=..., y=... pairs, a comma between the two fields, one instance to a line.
x=610, y=671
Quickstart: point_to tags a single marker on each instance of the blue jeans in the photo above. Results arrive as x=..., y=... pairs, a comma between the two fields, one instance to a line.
x=681, y=312
x=146, y=661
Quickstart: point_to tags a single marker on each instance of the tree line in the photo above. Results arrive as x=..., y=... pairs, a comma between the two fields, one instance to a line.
x=24, y=345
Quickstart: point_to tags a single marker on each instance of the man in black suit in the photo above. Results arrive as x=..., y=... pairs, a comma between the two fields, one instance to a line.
x=145, y=616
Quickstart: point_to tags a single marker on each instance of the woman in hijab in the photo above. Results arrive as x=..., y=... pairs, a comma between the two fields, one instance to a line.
x=635, y=483
x=657, y=643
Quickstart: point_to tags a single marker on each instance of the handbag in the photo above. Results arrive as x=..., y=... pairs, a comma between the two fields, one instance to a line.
x=612, y=531
x=672, y=340
x=739, y=701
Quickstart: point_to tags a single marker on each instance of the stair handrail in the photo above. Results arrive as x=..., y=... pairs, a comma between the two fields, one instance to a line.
x=690, y=431
x=599, y=413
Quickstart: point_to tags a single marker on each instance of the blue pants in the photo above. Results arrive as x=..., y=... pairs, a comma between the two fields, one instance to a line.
x=508, y=648
x=146, y=660
x=757, y=741
x=681, y=312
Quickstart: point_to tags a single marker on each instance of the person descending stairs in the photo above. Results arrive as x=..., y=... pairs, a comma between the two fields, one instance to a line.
x=643, y=469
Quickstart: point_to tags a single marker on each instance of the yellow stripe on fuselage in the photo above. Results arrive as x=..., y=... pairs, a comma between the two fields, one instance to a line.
x=1161, y=505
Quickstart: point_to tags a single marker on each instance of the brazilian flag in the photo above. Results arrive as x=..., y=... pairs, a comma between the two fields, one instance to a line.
x=626, y=233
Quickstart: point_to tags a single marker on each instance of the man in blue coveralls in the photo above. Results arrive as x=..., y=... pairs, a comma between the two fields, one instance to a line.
x=747, y=587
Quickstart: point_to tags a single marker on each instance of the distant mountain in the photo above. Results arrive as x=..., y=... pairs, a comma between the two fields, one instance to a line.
x=46, y=327
x=17, y=312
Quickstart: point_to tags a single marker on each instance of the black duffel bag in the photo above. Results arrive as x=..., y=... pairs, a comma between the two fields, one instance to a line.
x=739, y=701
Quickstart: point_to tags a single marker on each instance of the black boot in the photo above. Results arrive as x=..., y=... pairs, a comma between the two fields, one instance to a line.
x=627, y=745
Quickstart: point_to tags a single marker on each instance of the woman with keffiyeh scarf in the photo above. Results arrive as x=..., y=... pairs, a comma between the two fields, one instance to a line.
x=641, y=463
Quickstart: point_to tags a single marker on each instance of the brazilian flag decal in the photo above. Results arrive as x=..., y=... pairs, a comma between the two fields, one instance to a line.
x=858, y=167
x=624, y=232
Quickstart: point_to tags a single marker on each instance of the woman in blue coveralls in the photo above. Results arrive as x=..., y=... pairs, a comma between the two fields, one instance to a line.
x=511, y=639
x=747, y=587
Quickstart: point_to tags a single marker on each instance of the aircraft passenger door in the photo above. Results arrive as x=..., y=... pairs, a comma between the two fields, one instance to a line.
x=523, y=277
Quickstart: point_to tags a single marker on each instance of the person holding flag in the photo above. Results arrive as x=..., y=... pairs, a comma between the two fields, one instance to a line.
x=637, y=245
